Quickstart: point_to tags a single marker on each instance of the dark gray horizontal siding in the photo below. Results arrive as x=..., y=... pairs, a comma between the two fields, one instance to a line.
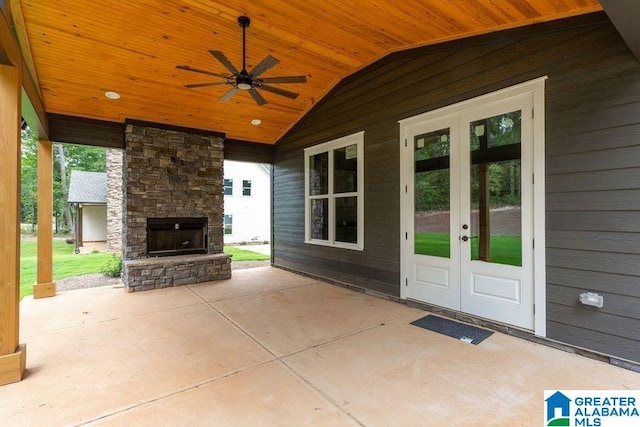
x=581, y=142
x=594, y=320
x=593, y=200
x=588, y=181
x=586, y=337
x=604, y=241
x=603, y=200
x=594, y=260
x=594, y=280
x=592, y=165
x=617, y=305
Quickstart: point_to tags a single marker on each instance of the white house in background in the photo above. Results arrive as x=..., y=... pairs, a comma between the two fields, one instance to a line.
x=88, y=193
x=247, y=201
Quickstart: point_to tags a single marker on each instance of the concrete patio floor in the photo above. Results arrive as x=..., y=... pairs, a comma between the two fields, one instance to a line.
x=269, y=347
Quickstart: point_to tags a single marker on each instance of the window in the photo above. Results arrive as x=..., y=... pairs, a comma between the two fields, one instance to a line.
x=228, y=224
x=228, y=187
x=334, y=187
x=246, y=187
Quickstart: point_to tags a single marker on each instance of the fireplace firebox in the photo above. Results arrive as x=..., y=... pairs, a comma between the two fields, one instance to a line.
x=176, y=236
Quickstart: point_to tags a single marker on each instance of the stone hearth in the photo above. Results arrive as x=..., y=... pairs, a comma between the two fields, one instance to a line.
x=171, y=173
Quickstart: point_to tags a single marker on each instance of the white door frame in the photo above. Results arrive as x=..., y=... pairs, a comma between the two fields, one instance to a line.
x=535, y=88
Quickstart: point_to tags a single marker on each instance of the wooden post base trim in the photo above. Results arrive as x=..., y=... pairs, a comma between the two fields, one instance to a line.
x=44, y=290
x=12, y=366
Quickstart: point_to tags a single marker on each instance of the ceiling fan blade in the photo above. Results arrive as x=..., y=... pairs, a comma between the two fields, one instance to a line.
x=279, y=91
x=288, y=79
x=264, y=65
x=224, y=61
x=229, y=94
x=196, y=70
x=257, y=97
x=204, y=85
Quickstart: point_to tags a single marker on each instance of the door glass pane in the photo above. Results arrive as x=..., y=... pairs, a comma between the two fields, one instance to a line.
x=432, y=206
x=319, y=174
x=496, y=214
x=347, y=219
x=345, y=169
x=320, y=219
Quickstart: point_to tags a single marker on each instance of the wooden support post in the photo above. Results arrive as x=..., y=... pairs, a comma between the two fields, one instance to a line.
x=45, y=287
x=484, y=209
x=484, y=200
x=12, y=355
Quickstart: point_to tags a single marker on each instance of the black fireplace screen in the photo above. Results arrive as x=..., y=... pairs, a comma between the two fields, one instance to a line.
x=176, y=236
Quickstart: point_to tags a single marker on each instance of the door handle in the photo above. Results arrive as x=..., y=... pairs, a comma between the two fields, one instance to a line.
x=464, y=238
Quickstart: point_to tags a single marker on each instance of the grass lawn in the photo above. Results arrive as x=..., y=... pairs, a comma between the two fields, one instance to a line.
x=238, y=254
x=67, y=264
x=504, y=249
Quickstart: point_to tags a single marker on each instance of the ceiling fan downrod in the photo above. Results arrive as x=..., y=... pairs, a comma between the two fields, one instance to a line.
x=244, y=22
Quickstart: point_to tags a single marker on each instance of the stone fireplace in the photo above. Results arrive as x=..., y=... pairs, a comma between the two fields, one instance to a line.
x=173, y=207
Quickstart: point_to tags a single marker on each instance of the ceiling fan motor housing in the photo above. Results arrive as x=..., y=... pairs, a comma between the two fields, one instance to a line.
x=243, y=81
x=244, y=21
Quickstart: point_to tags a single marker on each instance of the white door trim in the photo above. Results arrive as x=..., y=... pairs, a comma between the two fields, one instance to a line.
x=536, y=89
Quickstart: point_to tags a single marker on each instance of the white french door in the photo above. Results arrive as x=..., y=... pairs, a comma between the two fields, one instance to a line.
x=468, y=208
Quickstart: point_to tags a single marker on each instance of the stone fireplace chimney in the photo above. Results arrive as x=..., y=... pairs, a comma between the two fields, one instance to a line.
x=172, y=175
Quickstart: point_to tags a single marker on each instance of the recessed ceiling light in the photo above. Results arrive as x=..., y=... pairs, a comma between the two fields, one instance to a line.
x=256, y=122
x=112, y=95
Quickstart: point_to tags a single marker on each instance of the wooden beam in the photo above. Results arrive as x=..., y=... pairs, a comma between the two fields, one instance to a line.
x=32, y=107
x=78, y=130
x=45, y=287
x=624, y=15
x=244, y=151
x=12, y=362
x=16, y=20
x=9, y=50
x=33, y=110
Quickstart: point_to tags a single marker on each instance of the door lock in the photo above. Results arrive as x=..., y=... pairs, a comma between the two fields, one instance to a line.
x=465, y=226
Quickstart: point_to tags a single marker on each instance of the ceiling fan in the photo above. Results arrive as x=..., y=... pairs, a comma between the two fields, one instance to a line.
x=243, y=80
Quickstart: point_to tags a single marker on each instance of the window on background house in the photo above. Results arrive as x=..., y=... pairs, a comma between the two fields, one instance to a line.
x=334, y=187
x=228, y=187
x=228, y=224
x=246, y=187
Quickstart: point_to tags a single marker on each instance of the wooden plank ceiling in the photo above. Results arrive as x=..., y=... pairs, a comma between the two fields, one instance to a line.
x=83, y=48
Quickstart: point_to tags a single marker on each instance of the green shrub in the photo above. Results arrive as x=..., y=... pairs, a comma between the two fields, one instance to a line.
x=113, y=267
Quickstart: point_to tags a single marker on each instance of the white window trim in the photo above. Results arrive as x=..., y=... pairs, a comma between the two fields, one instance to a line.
x=224, y=225
x=224, y=187
x=353, y=139
x=250, y=188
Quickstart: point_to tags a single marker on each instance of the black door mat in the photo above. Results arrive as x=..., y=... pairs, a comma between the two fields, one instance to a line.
x=463, y=332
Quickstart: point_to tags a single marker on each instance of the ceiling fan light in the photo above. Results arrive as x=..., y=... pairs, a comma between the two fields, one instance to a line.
x=244, y=86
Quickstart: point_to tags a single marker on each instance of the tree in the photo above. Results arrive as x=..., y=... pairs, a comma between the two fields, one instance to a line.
x=63, y=186
x=29, y=179
x=67, y=157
